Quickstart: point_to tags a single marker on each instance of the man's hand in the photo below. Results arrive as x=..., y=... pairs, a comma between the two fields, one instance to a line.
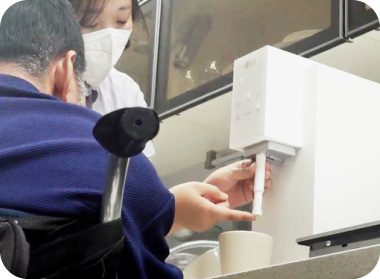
x=199, y=206
x=237, y=180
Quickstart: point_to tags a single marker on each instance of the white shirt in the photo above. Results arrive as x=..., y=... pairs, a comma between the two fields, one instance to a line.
x=119, y=91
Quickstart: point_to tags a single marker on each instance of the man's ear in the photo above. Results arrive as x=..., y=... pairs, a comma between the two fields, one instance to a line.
x=64, y=76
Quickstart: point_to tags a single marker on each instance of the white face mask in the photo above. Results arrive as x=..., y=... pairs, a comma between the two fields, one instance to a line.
x=103, y=50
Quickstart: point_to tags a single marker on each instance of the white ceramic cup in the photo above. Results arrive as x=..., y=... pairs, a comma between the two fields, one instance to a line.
x=244, y=250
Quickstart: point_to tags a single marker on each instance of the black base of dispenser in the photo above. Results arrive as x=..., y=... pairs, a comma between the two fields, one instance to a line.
x=342, y=240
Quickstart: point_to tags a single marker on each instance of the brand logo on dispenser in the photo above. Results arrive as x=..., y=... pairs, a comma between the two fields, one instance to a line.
x=250, y=63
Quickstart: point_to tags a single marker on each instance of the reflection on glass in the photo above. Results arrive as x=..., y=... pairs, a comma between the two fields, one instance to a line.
x=207, y=36
x=359, y=14
x=368, y=7
x=137, y=59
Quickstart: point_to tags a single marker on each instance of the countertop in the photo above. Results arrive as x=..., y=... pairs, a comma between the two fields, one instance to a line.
x=345, y=265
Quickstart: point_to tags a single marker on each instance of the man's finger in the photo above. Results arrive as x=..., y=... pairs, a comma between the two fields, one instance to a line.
x=223, y=213
x=212, y=193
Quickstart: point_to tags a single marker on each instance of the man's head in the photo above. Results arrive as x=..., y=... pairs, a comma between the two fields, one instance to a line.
x=41, y=41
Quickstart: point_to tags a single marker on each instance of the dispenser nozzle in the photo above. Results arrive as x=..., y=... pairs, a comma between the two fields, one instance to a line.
x=259, y=184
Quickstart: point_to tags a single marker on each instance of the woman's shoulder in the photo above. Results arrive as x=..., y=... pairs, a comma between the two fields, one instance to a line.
x=117, y=84
x=114, y=75
x=117, y=81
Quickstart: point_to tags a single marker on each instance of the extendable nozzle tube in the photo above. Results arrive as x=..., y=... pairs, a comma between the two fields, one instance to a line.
x=259, y=185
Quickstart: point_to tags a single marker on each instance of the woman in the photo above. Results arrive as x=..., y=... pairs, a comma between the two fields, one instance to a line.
x=106, y=27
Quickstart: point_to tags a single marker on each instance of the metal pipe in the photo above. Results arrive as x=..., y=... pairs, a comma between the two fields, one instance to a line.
x=156, y=47
x=113, y=191
x=193, y=245
x=142, y=2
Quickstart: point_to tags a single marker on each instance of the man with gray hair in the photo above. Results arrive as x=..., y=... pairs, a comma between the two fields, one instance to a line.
x=51, y=57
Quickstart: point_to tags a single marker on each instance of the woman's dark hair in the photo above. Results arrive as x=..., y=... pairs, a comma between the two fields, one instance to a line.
x=87, y=11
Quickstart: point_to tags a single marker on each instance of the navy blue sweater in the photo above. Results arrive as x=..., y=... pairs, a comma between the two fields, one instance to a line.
x=50, y=164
